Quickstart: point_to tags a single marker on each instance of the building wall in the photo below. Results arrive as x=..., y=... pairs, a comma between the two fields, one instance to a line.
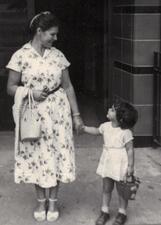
x=135, y=37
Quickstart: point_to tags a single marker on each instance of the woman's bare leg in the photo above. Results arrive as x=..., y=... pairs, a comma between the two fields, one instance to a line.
x=41, y=198
x=53, y=196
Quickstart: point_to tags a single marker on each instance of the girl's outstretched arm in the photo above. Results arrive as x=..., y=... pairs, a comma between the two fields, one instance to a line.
x=130, y=153
x=91, y=130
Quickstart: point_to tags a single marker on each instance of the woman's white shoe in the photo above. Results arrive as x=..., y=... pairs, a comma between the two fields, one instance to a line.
x=52, y=215
x=40, y=216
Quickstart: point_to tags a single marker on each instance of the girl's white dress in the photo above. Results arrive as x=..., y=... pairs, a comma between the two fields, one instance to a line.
x=114, y=161
x=51, y=158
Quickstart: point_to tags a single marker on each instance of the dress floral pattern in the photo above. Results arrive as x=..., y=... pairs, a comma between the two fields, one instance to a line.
x=52, y=157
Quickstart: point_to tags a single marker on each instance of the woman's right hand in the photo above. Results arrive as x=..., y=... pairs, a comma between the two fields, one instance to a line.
x=78, y=124
x=40, y=95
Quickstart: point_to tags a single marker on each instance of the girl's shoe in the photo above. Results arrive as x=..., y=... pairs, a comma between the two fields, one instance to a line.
x=120, y=219
x=40, y=215
x=52, y=215
x=103, y=218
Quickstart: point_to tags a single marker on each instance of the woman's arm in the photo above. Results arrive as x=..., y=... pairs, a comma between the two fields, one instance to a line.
x=68, y=87
x=13, y=82
x=130, y=153
x=91, y=130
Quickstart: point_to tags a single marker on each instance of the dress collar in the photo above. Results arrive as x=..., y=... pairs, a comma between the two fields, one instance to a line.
x=29, y=46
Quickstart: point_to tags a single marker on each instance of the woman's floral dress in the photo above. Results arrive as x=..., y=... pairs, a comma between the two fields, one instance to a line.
x=52, y=157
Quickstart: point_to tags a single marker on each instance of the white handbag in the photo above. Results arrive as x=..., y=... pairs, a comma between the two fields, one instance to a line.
x=30, y=125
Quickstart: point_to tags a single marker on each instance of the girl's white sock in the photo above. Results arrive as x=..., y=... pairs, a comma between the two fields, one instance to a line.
x=123, y=211
x=105, y=209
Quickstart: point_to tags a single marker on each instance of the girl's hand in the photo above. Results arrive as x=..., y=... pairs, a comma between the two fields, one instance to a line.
x=130, y=170
x=40, y=95
x=125, y=178
x=78, y=124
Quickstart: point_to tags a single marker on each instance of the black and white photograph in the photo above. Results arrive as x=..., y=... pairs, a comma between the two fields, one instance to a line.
x=80, y=112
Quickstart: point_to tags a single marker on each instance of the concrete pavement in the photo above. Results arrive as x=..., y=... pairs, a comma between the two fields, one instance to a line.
x=80, y=201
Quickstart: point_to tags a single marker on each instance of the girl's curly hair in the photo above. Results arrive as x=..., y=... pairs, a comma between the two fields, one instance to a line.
x=126, y=114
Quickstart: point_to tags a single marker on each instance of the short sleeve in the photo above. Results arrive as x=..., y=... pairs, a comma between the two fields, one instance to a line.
x=128, y=136
x=63, y=62
x=15, y=62
x=101, y=128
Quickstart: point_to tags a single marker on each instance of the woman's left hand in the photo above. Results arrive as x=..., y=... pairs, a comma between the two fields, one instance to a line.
x=40, y=95
x=78, y=124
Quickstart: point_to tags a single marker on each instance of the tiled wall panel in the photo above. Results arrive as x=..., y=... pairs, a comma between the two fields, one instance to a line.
x=127, y=87
x=123, y=50
x=127, y=51
x=144, y=125
x=135, y=42
x=147, y=2
x=123, y=84
x=143, y=52
x=125, y=2
x=127, y=26
x=143, y=89
x=147, y=26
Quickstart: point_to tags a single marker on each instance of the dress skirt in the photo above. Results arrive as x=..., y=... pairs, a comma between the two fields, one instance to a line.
x=52, y=157
x=113, y=163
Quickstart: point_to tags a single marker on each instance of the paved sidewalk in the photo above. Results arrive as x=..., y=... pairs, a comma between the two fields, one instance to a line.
x=80, y=201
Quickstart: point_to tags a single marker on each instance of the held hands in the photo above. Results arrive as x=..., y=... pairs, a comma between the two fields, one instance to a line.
x=78, y=124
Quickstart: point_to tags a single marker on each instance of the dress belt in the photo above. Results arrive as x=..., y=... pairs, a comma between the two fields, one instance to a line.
x=54, y=90
x=110, y=147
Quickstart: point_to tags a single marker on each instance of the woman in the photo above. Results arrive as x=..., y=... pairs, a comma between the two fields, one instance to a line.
x=44, y=69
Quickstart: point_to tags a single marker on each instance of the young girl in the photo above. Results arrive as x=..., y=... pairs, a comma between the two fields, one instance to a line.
x=117, y=159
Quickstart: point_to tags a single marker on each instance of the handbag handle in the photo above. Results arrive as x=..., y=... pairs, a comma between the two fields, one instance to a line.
x=31, y=99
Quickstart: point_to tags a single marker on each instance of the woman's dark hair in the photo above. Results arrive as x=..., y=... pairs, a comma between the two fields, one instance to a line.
x=126, y=114
x=44, y=20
